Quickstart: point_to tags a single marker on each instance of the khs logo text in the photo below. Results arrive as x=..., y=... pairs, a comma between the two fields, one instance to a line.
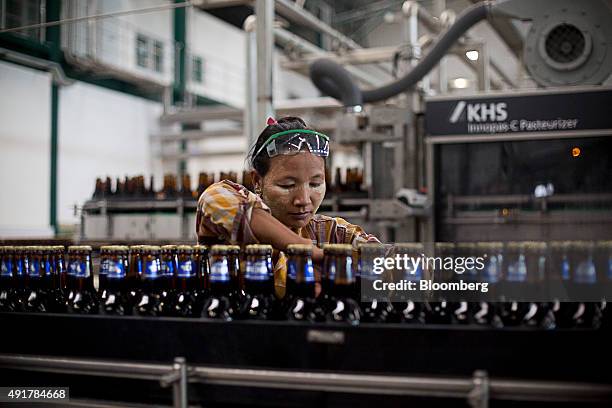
x=479, y=112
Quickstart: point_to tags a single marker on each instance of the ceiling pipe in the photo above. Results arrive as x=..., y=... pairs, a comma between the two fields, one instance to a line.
x=331, y=78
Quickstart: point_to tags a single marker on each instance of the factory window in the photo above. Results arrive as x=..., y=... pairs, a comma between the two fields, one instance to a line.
x=142, y=51
x=158, y=56
x=197, y=69
x=17, y=13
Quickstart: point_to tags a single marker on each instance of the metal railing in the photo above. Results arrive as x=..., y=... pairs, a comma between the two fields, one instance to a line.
x=477, y=390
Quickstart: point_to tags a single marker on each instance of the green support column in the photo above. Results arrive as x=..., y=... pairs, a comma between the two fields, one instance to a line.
x=180, y=79
x=53, y=39
x=180, y=38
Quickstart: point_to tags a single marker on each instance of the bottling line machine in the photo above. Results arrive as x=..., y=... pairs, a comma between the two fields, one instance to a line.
x=486, y=166
x=490, y=166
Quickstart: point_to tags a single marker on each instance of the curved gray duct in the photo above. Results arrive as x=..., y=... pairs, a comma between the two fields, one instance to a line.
x=335, y=81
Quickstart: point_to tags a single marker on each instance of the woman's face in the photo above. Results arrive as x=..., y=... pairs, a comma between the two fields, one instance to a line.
x=294, y=187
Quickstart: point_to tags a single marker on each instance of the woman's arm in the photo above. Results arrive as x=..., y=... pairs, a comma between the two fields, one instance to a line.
x=266, y=228
x=228, y=212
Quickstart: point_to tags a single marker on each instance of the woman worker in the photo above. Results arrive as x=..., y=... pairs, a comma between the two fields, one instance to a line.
x=288, y=172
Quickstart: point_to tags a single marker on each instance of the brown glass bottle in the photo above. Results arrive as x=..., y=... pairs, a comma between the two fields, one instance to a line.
x=259, y=301
x=201, y=253
x=222, y=303
x=7, y=288
x=186, y=187
x=59, y=262
x=578, y=311
x=300, y=301
x=150, y=303
x=339, y=284
x=202, y=266
x=338, y=186
x=185, y=298
x=205, y=180
x=55, y=266
x=39, y=280
x=603, y=266
x=237, y=278
x=114, y=292
x=247, y=181
x=231, y=176
x=133, y=278
x=151, y=189
x=168, y=255
x=374, y=309
x=83, y=298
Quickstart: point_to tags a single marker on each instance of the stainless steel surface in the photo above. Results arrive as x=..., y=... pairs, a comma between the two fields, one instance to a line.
x=138, y=220
x=385, y=209
x=501, y=137
x=294, y=13
x=484, y=83
x=430, y=174
x=334, y=382
x=198, y=115
x=320, y=106
x=294, y=43
x=236, y=151
x=94, y=403
x=527, y=92
x=144, y=205
x=196, y=135
x=526, y=198
x=264, y=12
x=508, y=32
x=250, y=111
x=479, y=388
x=479, y=396
x=180, y=385
x=82, y=366
x=435, y=26
x=355, y=57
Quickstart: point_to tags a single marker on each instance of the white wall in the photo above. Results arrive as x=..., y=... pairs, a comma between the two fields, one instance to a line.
x=101, y=132
x=25, y=134
x=112, y=41
x=222, y=48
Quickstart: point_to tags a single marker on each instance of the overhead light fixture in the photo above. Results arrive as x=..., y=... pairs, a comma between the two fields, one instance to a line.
x=460, y=83
x=472, y=55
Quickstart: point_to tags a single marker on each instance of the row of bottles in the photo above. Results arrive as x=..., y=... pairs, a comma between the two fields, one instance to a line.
x=535, y=284
x=137, y=188
x=213, y=283
x=174, y=187
x=172, y=280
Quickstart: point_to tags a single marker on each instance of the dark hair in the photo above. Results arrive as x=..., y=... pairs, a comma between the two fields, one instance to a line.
x=261, y=162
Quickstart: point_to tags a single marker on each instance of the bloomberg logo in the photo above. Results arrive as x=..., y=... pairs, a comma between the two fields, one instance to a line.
x=479, y=112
